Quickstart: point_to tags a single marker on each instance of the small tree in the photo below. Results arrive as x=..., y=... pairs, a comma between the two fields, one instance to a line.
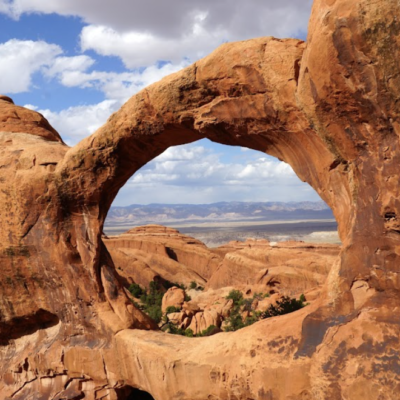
x=135, y=290
x=284, y=306
x=193, y=285
x=172, y=309
x=236, y=296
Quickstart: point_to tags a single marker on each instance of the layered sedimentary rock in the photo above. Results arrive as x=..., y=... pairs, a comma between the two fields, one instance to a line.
x=290, y=268
x=328, y=107
x=164, y=252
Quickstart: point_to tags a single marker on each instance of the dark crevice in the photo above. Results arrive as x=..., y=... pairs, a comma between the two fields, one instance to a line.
x=297, y=71
x=130, y=393
x=390, y=215
x=171, y=254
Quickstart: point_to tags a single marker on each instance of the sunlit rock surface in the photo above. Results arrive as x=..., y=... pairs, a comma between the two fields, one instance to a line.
x=328, y=107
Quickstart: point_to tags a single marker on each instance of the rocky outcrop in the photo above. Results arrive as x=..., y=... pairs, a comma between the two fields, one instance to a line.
x=329, y=108
x=199, y=262
x=174, y=297
x=287, y=268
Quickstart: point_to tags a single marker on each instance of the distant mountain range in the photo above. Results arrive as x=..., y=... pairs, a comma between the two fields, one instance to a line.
x=136, y=214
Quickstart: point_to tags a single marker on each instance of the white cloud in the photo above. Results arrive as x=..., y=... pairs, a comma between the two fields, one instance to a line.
x=174, y=18
x=195, y=174
x=137, y=49
x=62, y=65
x=117, y=86
x=141, y=33
x=20, y=60
x=75, y=123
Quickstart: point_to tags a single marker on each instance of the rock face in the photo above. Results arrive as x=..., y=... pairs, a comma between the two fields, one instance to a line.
x=292, y=268
x=328, y=107
x=164, y=252
x=174, y=297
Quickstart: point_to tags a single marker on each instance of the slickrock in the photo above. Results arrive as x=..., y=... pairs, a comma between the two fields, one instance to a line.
x=142, y=267
x=168, y=242
x=289, y=268
x=328, y=107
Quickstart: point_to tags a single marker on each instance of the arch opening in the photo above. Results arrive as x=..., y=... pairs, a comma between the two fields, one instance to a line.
x=153, y=259
x=209, y=186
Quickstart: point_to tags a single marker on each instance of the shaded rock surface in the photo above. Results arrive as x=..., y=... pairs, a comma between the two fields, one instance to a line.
x=329, y=108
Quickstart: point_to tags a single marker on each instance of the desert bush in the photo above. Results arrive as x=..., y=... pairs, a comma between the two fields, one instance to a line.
x=284, y=306
x=174, y=330
x=236, y=296
x=235, y=320
x=193, y=285
x=168, y=285
x=172, y=309
x=211, y=330
x=248, y=304
x=135, y=290
x=151, y=301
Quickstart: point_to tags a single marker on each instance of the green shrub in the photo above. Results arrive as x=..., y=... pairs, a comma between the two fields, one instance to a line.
x=189, y=333
x=208, y=332
x=168, y=285
x=151, y=301
x=235, y=321
x=174, y=330
x=193, y=285
x=260, y=296
x=284, y=306
x=187, y=297
x=236, y=296
x=172, y=309
x=136, y=290
x=154, y=312
x=248, y=305
x=303, y=298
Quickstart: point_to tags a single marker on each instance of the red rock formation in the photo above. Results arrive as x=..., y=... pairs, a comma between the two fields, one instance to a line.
x=174, y=297
x=289, y=267
x=163, y=252
x=328, y=107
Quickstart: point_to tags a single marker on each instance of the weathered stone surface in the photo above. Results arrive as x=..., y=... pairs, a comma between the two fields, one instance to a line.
x=161, y=252
x=288, y=268
x=328, y=107
x=174, y=297
x=142, y=267
x=203, y=320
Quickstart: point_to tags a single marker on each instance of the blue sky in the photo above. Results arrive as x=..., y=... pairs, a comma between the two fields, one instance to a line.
x=77, y=61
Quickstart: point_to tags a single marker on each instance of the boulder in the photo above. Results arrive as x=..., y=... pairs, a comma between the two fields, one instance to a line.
x=173, y=297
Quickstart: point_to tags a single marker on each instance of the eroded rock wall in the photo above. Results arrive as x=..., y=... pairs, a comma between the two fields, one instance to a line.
x=328, y=107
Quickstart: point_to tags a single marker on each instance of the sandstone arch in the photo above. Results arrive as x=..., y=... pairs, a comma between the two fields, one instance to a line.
x=329, y=108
